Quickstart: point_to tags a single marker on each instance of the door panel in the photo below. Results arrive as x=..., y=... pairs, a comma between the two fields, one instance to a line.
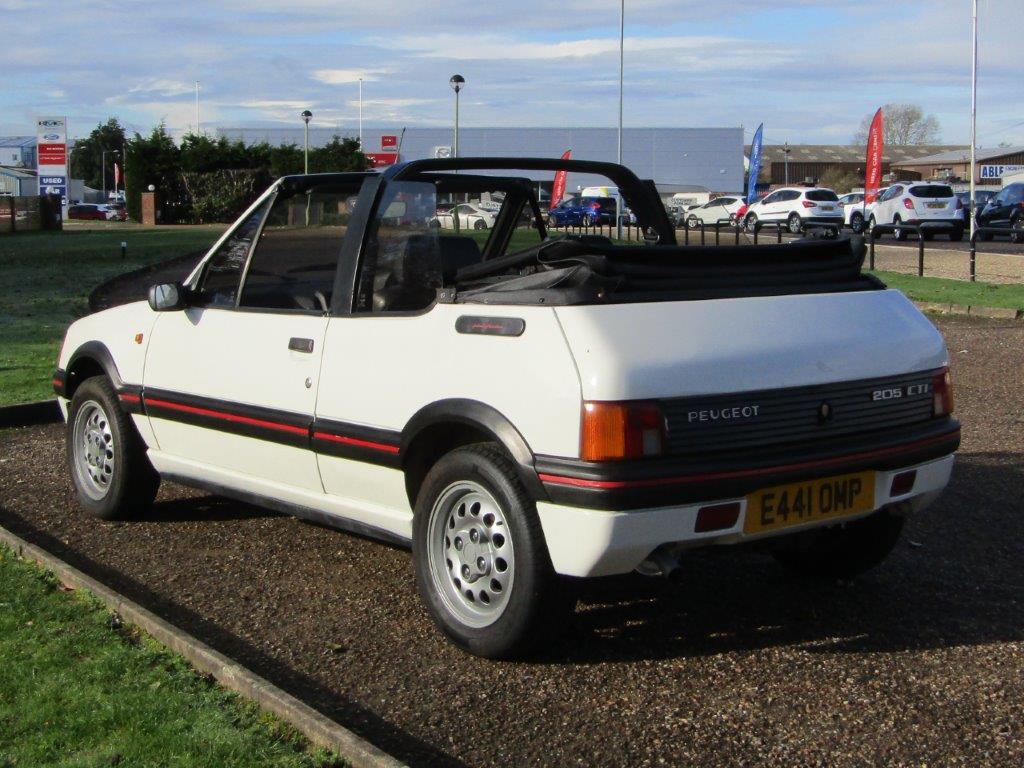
x=224, y=388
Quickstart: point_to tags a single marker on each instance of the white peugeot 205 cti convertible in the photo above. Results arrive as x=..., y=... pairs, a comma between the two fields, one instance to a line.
x=518, y=408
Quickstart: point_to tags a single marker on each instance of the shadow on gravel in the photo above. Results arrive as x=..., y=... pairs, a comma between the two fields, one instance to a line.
x=203, y=508
x=956, y=578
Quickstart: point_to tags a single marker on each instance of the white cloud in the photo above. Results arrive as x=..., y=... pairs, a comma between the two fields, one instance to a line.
x=343, y=76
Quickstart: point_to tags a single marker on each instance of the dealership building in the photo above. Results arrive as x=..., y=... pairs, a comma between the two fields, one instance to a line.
x=992, y=163
x=678, y=160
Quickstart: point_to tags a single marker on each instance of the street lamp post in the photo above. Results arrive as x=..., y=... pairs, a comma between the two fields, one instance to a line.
x=974, y=112
x=622, y=60
x=785, y=154
x=457, y=82
x=306, y=117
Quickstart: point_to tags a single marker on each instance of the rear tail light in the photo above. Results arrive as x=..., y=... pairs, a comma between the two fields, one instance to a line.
x=942, y=394
x=629, y=430
x=908, y=203
x=808, y=204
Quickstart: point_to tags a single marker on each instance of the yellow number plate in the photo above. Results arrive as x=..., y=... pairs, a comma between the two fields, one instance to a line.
x=824, y=499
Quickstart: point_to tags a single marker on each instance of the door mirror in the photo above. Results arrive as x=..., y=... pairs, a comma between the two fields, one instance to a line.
x=168, y=297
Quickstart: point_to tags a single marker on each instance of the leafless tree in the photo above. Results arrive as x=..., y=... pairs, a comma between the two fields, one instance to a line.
x=902, y=124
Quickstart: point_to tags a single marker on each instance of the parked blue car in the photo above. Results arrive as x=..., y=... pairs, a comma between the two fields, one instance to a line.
x=583, y=212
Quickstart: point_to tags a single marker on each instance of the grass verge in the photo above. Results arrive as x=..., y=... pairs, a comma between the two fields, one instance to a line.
x=47, y=278
x=960, y=292
x=77, y=689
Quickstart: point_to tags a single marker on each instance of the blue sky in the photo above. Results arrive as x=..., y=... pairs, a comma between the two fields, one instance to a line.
x=809, y=69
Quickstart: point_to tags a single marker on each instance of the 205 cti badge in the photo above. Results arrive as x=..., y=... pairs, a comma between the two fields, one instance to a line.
x=517, y=408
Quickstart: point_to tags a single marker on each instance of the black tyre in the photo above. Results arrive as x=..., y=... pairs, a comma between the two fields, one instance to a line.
x=956, y=234
x=750, y=222
x=1017, y=230
x=482, y=566
x=552, y=222
x=857, y=223
x=693, y=222
x=479, y=224
x=106, y=457
x=899, y=234
x=795, y=223
x=843, y=551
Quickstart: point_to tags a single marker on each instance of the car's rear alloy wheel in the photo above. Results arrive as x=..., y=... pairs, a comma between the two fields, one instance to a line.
x=482, y=567
x=899, y=234
x=750, y=223
x=857, y=223
x=794, y=223
x=1017, y=235
x=693, y=222
x=107, y=459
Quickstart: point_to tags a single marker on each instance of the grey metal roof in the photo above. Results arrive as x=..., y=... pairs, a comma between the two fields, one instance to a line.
x=17, y=141
x=706, y=157
x=18, y=173
x=963, y=153
x=847, y=153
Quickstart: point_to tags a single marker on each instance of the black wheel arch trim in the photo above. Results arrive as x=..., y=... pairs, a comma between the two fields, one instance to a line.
x=473, y=413
x=98, y=352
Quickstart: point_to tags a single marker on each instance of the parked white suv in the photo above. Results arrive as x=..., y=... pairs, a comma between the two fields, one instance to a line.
x=854, y=210
x=933, y=206
x=797, y=206
x=521, y=409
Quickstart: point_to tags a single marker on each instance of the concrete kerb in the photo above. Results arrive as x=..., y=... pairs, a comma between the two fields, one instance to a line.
x=319, y=729
x=998, y=313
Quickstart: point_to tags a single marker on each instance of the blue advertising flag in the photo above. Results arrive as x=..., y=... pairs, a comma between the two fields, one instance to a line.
x=755, y=164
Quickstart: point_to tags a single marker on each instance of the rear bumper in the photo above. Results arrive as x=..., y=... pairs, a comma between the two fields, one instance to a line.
x=591, y=542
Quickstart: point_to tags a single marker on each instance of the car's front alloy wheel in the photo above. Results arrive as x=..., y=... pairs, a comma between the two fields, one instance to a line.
x=106, y=457
x=857, y=223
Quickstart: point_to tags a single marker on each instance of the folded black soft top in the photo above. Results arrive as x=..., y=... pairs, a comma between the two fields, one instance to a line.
x=592, y=270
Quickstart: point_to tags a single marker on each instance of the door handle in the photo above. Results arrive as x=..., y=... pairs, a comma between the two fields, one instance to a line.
x=295, y=344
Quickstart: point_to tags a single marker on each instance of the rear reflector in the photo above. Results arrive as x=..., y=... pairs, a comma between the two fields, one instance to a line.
x=903, y=483
x=717, y=517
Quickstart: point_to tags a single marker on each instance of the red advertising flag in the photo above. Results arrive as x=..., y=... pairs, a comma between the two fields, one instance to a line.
x=873, y=169
x=117, y=175
x=558, y=190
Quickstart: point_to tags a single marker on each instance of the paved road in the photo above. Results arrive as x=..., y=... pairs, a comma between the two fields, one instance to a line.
x=920, y=662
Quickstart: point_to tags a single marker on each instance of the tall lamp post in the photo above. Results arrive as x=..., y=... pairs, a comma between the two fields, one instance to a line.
x=457, y=82
x=306, y=117
x=785, y=154
x=974, y=113
x=622, y=59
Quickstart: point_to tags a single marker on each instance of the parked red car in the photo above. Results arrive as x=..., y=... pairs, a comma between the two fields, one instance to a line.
x=88, y=212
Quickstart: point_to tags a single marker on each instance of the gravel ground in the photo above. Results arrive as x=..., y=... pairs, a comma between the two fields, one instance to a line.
x=732, y=663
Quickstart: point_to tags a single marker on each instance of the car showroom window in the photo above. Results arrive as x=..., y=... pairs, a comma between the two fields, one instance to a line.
x=401, y=268
x=293, y=264
x=223, y=271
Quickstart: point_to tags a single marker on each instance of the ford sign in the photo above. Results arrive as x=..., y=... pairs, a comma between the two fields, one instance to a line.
x=52, y=137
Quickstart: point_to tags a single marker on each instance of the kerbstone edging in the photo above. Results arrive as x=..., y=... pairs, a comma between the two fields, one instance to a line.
x=998, y=313
x=30, y=414
x=318, y=728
